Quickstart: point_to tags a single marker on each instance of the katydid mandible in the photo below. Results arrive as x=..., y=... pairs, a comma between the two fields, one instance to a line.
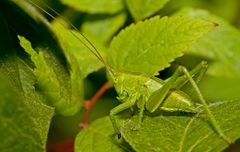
x=151, y=93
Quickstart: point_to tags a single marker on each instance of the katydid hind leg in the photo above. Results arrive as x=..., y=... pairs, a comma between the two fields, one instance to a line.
x=211, y=117
x=158, y=96
x=196, y=73
x=176, y=81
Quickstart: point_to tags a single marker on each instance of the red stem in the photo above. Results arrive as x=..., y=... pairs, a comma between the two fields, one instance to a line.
x=63, y=146
x=68, y=145
x=92, y=102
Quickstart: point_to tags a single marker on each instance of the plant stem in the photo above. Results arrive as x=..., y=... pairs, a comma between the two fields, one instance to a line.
x=63, y=146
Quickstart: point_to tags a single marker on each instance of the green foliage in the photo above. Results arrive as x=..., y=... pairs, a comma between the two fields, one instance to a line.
x=24, y=117
x=77, y=54
x=22, y=129
x=98, y=137
x=96, y=6
x=101, y=28
x=48, y=83
x=230, y=7
x=46, y=70
x=141, y=9
x=52, y=59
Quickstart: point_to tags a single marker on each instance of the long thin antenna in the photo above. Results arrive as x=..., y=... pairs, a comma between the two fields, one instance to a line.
x=92, y=48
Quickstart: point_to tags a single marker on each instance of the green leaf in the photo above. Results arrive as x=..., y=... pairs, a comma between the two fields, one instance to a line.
x=184, y=133
x=77, y=83
x=141, y=9
x=220, y=88
x=75, y=51
x=34, y=101
x=24, y=117
x=101, y=28
x=19, y=129
x=98, y=137
x=220, y=46
x=48, y=83
x=96, y=6
x=230, y=7
x=32, y=25
x=148, y=47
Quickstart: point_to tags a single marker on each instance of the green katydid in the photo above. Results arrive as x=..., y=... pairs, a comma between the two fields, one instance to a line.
x=168, y=97
x=151, y=93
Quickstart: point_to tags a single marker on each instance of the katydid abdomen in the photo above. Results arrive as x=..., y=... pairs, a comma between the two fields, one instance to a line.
x=176, y=100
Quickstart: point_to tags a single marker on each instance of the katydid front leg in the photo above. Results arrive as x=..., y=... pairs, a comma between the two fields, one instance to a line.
x=132, y=100
x=141, y=105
